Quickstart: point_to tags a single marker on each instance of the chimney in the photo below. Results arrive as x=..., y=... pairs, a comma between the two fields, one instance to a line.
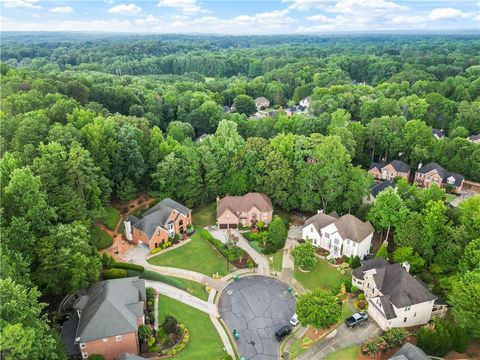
x=320, y=211
x=420, y=165
x=218, y=199
x=406, y=266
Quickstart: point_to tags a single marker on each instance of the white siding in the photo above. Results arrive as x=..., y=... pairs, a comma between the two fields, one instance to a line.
x=363, y=248
x=310, y=233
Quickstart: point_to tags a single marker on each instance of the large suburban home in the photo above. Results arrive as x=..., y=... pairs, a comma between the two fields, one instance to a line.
x=390, y=171
x=432, y=173
x=377, y=189
x=346, y=235
x=262, y=103
x=395, y=298
x=245, y=210
x=158, y=224
x=438, y=134
x=105, y=319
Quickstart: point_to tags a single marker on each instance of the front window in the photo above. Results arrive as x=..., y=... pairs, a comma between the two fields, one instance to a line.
x=336, y=241
x=83, y=345
x=119, y=337
x=85, y=355
x=327, y=235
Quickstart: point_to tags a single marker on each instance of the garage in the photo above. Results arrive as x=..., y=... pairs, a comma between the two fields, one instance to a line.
x=227, y=226
x=223, y=226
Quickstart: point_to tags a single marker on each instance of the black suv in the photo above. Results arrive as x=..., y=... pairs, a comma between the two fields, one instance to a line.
x=282, y=332
x=356, y=319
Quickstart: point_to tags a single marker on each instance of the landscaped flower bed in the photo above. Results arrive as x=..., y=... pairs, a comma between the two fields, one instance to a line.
x=170, y=338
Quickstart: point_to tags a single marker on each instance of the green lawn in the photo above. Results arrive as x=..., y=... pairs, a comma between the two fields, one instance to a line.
x=348, y=353
x=111, y=219
x=322, y=276
x=205, y=216
x=277, y=260
x=198, y=255
x=450, y=197
x=100, y=239
x=205, y=343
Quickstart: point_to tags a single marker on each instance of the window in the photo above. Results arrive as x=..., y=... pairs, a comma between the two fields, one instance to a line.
x=405, y=320
x=83, y=345
x=118, y=337
x=407, y=308
x=415, y=315
x=106, y=339
x=336, y=241
x=311, y=229
x=327, y=236
x=85, y=355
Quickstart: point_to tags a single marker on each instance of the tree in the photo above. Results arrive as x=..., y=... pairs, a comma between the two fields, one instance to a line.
x=387, y=211
x=304, y=256
x=180, y=130
x=382, y=252
x=318, y=308
x=471, y=257
x=277, y=234
x=435, y=229
x=464, y=298
x=406, y=253
x=244, y=104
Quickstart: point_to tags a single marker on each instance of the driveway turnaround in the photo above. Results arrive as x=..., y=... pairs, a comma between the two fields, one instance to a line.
x=256, y=306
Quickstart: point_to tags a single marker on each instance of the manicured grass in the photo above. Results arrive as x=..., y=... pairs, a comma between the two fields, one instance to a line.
x=277, y=260
x=256, y=245
x=296, y=349
x=348, y=353
x=100, y=239
x=205, y=343
x=205, y=216
x=112, y=217
x=450, y=197
x=198, y=255
x=323, y=276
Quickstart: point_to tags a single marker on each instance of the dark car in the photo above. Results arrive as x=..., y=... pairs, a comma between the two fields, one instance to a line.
x=282, y=332
x=356, y=319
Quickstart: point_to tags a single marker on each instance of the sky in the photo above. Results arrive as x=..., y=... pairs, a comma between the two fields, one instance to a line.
x=240, y=17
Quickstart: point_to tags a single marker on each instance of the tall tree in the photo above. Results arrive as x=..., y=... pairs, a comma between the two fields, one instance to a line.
x=387, y=211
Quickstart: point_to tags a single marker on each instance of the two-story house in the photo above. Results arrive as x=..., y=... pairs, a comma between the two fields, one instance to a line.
x=346, y=235
x=262, y=103
x=245, y=210
x=158, y=224
x=395, y=298
x=105, y=319
x=389, y=171
x=432, y=173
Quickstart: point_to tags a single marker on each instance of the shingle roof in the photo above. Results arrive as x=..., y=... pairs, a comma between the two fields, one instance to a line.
x=369, y=265
x=400, y=166
x=381, y=186
x=112, y=309
x=404, y=290
x=157, y=216
x=474, y=137
x=438, y=132
x=444, y=174
x=348, y=226
x=237, y=204
x=261, y=100
x=376, y=165
x=410, y=352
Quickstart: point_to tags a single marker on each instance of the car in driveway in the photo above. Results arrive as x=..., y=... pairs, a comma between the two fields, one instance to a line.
x=356, y=319
x=282, y=332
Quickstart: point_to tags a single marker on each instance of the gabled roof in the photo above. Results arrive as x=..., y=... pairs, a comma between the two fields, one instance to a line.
x=444, y=174
x=369, y=265
x=157, y=216
x=439, y=133
x=113, y=308
x=410, y=352
x=400, y=166
x=377, y=188
x=348, y=226
x=376, y=165
x=237, y=204
x=474, y=137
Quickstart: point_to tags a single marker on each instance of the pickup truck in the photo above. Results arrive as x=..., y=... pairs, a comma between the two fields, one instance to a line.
x=356, y=319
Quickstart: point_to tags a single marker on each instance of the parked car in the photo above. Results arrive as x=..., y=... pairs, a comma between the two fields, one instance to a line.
x=294, y=320
x=282, y=332
x=356, y=319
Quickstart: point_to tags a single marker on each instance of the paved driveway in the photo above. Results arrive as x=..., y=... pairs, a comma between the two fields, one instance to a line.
x=256, y=306
x=137, y=254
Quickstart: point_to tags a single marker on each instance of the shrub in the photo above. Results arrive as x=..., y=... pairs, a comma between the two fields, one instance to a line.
x=361, y=296
x=151, y=317
x=96, y=357
x=228, y=357
x=129, y=266
x=355, y=263
x=150, y=293
x=114, y=274
x=353, y=289
x=108, y=261
x=156, y=250
x=361, y=305
x=344, y=265
x=144, y=333
x=374, y=346
x=442, y=338
x=170, y=325
x=395, y=337
x=304, y=256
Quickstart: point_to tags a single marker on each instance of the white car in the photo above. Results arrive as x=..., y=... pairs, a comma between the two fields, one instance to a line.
x=294, y=320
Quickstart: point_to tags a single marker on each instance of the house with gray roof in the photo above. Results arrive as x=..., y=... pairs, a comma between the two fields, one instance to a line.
x=346, y=235
x=432, y=173
x=395, y=297
x=262, y=103
x=474, y=138
x=389, y=171
x=105, y=319
x=159, y=224
x=410, y=352
x=438, y=133
x=376, y=189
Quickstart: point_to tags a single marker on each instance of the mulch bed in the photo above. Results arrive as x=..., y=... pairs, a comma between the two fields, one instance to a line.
x=242, y=264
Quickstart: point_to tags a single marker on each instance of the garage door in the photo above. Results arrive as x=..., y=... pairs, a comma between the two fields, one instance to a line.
x=233, y=226
x=223, y=226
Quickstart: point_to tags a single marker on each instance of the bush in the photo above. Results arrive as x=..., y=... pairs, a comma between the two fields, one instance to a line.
x=108, y=261
x=129, y=266
x=304, y=256
x=156, y=250
x=442, y=338
x=96, y=357
x=228, y=357
x=114, y=274
x=395, y=337
x=361, y=296
x=144, y=333
x=170, y=325
x=374, y=346
x=150, y=293
x=353, y=289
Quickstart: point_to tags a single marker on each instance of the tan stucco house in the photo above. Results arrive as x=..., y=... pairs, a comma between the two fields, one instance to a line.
x=245, y=210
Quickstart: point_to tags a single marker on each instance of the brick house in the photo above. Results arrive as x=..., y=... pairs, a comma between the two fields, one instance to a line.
x=390, y=171
x=158, y=224
x=395, y=298
x=244, y=210
x=105, y=319
x=432, y=173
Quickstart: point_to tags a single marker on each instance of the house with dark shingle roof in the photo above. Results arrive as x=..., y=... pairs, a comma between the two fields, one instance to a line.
x=345, y=235
x=474, y=139
x=376, y=189
x=409, y=352
x=389, y=171
x=432, y=173
x=106, y=318
x=158, y=224
x=395, y=298
x=438, y=134
x=244, y=210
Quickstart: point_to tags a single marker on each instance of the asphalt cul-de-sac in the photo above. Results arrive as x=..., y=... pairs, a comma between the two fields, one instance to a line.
x=256, y=306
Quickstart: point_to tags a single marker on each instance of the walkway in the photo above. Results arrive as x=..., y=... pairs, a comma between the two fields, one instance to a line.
x=263, y=267
x=294, y=233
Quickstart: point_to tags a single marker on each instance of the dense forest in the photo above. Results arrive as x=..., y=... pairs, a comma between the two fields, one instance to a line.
x=87, y=118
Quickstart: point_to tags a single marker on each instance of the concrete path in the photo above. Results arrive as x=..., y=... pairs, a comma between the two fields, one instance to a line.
x=183, y=296
x=294, y=233
x=343, y=338
x=263, y=267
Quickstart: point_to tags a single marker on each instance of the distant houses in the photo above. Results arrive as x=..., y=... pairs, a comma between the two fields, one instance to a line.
x=432, y=173
x=390, y=171
x=376, y=189
x=438, y=134
x=262, y=103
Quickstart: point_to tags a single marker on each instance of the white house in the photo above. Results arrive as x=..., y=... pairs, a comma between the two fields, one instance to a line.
x=306, y=102
x=395, y=298
x=346, y=235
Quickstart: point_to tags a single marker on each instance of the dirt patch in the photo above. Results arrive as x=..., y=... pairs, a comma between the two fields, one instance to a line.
x=473, y=352
x=313, y=335
x=243, y=263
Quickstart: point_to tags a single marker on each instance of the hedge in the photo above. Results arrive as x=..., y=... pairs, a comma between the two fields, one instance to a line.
x=114, y=274
x=129, y=266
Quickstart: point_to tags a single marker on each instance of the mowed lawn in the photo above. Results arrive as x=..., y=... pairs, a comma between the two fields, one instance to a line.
x=277, y=260
x=100, y=238
x=205, y=216
x=323, y=276
x=198, y=255
x=349, y=353
x=205, y=343
x=112, y=217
